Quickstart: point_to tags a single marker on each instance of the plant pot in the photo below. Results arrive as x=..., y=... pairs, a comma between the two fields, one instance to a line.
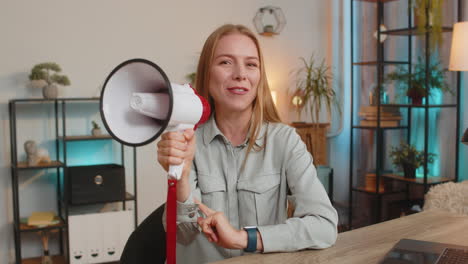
x=409, y=172
x=96, y=132
x=416, y=100
x=416, y=96
x=268, y=29
x=50, y=91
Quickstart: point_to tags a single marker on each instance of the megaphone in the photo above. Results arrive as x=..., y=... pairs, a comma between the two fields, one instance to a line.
x=138, y=103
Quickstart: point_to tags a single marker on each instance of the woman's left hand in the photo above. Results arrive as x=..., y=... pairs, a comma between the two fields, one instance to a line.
x=217, y=229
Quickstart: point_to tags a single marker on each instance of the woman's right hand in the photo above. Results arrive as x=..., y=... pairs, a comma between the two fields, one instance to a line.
x=175, y=148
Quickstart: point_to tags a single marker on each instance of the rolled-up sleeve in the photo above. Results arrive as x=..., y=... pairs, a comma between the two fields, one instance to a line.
x=314, y=223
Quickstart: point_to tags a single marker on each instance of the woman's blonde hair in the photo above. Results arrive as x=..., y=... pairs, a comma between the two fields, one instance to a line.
x=264, y=109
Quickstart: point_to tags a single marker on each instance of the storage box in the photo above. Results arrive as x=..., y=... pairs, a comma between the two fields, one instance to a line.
x=95, y=184
x=99, y=238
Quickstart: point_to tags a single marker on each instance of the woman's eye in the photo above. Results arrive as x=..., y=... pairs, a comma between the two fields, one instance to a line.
x=252, y=65
x=224, y=62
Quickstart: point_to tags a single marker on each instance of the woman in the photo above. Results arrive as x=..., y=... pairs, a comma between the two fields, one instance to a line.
x=239, y=166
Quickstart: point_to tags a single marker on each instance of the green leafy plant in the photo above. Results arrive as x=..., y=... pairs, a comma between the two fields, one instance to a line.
x=428, y=14
x=95, y=125
x=408, y=158
x=314, y=89
x=414, y=82
x=48, y=72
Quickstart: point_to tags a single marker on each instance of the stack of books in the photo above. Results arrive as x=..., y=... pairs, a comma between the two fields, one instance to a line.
x=42, y=219
x=389, y=116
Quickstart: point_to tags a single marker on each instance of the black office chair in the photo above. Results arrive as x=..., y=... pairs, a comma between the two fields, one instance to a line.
x=147, y=244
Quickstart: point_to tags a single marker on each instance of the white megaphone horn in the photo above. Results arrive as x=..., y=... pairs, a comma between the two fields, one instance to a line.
x=138, y=103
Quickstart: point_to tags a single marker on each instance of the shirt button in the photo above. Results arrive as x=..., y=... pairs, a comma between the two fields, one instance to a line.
x=191, y=215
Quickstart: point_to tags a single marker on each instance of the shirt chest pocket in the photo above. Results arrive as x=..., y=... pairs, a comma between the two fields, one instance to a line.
x=213, y=191
x=259, y=199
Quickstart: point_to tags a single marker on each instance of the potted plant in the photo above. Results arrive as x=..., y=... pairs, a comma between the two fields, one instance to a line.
x=96, y=131
x=428, y=18
x=314, y=89
x=43, y=76
x=415, y=82
x=408, y=158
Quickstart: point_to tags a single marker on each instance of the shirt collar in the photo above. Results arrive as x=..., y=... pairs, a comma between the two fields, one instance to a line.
x=211, y=130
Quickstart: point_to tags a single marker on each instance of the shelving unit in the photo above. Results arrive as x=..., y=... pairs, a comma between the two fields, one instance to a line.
x=58, y=165
x=370, y=144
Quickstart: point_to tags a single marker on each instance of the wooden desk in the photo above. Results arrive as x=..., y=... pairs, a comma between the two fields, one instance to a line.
x=371, y=243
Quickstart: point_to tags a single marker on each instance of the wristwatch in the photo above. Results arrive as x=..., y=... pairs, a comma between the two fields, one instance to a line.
x=251, y=238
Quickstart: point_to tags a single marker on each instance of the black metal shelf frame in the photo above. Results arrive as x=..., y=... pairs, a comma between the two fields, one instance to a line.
x=59, y=165
x=375, y=127
x=380, y=63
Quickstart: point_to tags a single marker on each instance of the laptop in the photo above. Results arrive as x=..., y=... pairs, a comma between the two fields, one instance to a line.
x=408, y=251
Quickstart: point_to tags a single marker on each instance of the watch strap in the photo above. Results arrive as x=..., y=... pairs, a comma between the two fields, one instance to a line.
x=251, y=239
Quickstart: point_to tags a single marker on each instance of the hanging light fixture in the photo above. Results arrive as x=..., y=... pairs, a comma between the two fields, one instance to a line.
x=269, y=29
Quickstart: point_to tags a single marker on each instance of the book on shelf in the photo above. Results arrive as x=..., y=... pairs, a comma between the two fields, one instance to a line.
x=382, y=117
x=41, y=219
x=383, y=123
x=382, y=114
x=383, y=110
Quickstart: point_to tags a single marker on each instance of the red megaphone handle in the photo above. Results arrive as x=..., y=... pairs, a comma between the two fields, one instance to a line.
x=171, y=215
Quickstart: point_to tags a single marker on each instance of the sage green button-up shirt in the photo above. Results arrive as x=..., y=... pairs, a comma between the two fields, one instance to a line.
x=256, y=196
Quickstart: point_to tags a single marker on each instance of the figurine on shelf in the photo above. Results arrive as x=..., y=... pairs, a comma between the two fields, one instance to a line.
x=35, y=155
x=46, y=258
x=96, y=131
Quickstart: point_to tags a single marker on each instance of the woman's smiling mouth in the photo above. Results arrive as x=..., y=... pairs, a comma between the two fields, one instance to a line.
x=238, y=90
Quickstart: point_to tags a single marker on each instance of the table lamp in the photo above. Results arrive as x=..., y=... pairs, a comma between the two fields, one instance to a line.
x=459, y=55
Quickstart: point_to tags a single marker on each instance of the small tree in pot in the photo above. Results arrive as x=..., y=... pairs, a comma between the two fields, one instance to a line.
x=43, y=76
x=408, y=158
x=96, y=131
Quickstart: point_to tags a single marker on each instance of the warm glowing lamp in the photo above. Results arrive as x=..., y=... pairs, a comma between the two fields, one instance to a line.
x=459, y=55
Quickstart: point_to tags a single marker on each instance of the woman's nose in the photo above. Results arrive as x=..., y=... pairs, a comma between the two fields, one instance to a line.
x=239, y=73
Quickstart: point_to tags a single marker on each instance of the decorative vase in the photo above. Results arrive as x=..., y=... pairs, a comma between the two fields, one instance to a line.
x=409, y=171
x=50, y=91
x=373, y=96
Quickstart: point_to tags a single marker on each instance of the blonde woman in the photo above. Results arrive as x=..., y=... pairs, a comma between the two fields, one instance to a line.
x=239, y=166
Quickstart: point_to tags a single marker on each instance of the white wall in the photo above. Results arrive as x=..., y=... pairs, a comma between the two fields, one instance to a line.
x=88, y=38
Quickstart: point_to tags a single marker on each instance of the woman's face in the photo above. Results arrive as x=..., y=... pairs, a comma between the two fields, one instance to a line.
x=234, y=73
